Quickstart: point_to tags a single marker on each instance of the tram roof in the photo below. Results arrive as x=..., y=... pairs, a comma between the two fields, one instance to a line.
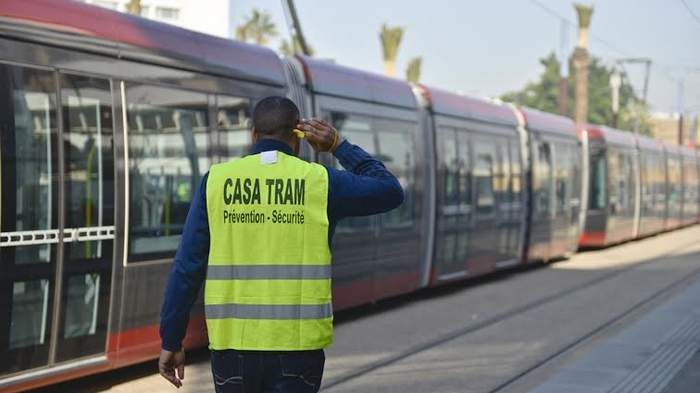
x=647, y=143
x=86, y=27
x=326, y=77
x=457, y=105
x=610, y=135
x=548, y=122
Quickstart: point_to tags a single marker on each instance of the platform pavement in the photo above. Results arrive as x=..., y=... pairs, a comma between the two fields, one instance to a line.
x=609, y=282
x=659, y=353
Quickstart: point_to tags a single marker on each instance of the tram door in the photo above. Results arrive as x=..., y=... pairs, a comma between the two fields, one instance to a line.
x=56, y=217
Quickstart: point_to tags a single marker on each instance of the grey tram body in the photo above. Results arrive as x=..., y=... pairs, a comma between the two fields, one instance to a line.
x=114, y=127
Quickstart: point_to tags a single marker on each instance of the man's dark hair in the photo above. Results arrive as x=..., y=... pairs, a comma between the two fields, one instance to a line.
x=275, y=116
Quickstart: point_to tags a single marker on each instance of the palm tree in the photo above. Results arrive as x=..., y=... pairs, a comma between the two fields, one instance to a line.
x=413, y=69
x=258, y=28
x=134, y=7
x=391, y=39
x=293, y=46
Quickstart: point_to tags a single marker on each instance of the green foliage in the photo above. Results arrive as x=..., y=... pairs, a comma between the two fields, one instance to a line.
x=391, y=40
x=257, y=28
x=413, y=69
x=543, y=94
x=292, y=47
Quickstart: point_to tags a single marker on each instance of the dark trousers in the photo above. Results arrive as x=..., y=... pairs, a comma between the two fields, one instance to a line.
x=267, y=372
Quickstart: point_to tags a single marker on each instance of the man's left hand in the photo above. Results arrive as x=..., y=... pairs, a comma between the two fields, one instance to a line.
x=169, y=363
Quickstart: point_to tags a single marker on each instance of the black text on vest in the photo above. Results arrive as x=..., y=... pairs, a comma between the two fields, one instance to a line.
x=279, y=191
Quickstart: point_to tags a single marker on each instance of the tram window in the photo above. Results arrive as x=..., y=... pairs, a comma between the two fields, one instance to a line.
x=233, y=126
x=659, y=178
x=503, y=187
x=598, y=181
x=575, y=177
x=30, y=308
x=648, y=181
x=395, y=150
x=562, y=177
x=29, y=145
x=358, y=130
x=674, y=176
x=168, y=154
x=615, y=188
x=689, y=181
x=88, y=137
x=464, y=172
x=621, y=182
x=448, y=162
x=81, y=305
x=516, y=186
x=544, y=178
x=449, y=166
x=484, y=177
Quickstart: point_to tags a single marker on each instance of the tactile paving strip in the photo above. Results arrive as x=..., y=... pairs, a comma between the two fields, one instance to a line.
x=665, y=362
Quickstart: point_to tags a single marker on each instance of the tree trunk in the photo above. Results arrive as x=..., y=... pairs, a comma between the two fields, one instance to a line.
x=563, y=98
x=581, y=59
x=390, y=68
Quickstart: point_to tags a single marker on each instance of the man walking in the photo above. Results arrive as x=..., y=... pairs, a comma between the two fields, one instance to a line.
x=258, y=232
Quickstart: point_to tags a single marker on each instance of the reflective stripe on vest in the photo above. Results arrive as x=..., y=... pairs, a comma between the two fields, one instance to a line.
x=269, y=311
x=269, y=272
x=268, y=281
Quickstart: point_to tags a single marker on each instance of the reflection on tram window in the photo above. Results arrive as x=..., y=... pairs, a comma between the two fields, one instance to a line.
x=562, y=177
x=29, y=159
x=29, y=322
x=81, y=305
x=448, y=171
x=396, y=152
x=515, y=181
x=233, y=126
x=449, y=167
x=358, y=130
x=464, y=175
x=484, y=177
x=168, y=154
x=674, y=184
x=544, y=183
x=690, y=189
x=88, y=146
x=598, y=181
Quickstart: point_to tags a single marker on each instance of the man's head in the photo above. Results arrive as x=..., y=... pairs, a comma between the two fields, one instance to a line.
x=275, y=117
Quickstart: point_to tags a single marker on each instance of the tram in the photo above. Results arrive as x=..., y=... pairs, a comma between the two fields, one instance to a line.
x=109, y=122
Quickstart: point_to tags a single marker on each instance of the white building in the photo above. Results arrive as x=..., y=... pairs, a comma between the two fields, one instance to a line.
x=213, y=17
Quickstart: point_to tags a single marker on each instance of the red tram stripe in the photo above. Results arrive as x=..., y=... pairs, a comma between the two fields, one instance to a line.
x=595, y=239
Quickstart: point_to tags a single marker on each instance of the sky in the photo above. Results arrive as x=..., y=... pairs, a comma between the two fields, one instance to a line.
x=487, y=48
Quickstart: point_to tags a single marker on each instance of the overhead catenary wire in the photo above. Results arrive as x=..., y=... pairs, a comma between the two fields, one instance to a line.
x=691, y=12
x=600, y=40
x=661, y=69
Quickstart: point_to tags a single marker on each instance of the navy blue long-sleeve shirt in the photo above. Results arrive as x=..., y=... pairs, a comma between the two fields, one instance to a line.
x=365, y=187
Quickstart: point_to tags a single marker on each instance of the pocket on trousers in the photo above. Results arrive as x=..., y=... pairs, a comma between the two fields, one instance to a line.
x=227, y=369
x=307, y=366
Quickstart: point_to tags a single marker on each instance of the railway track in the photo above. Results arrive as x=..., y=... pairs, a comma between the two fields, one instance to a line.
x=675, y=254
x=474, y=327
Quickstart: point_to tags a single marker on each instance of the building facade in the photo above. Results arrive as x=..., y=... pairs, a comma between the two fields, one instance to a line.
x=666, y=126
x=213, y=17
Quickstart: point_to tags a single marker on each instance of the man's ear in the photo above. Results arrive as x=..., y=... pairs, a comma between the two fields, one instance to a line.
x=256, y=135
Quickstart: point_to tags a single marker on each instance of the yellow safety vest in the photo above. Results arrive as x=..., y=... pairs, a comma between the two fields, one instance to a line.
x=268, y=283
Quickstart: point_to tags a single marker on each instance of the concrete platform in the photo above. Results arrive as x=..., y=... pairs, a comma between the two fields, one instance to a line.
x=656, y=354
x=601, y=320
